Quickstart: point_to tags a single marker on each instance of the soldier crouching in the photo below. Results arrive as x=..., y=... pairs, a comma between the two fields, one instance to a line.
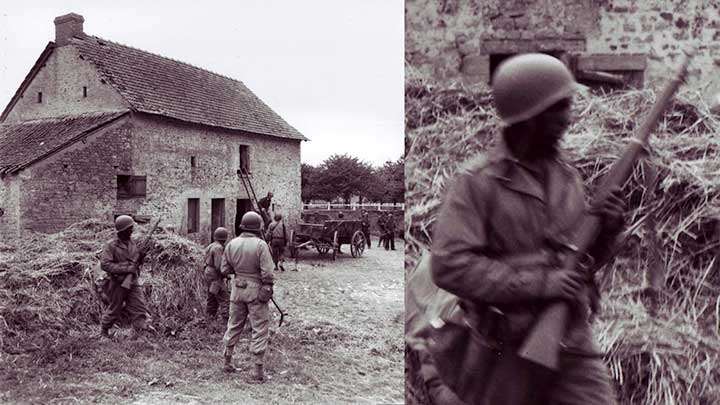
x=248, y=257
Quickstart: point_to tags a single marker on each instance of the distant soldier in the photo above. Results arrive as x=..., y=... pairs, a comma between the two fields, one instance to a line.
x=248, y=257
x=365, y=227
x=389, y=232
x=121, y=257
x=381, y=226
x=277, y=237
x=265, y=203
x=217, y=290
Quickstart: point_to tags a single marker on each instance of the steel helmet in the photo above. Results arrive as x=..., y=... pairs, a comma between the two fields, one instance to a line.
x=123, y=222
x=220, y=234
x=525, y=85
x=251, y=221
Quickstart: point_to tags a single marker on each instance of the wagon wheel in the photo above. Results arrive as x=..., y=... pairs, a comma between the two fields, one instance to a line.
x=357, y=244
x=335, y=245
x=293, y=248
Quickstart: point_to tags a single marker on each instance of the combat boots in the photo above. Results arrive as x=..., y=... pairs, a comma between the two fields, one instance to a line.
x=259, y=374
x=228, y=367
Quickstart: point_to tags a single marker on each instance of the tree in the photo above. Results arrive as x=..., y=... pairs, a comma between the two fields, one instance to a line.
x=343, y=176
x=389, y=185
x=309, y=177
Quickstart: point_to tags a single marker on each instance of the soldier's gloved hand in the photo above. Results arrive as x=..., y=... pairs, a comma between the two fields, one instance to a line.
x=563, y=284
x=611, y=211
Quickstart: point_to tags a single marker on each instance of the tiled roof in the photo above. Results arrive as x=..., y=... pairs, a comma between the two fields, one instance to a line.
x=23, y=143
x=158, y=85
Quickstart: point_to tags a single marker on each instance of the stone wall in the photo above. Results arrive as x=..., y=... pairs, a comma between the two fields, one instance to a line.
x=77, y=183
x=162, y=151
x=453, y=39
x=61, y=81
x=9, y=204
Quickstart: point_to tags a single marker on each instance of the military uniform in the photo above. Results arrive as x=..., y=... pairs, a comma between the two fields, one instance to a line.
x=389, y=232
x=216, y=286
x=118, y=259
x=277, y=237
x=248, y=257
x=496, y=209
x=365, y=227
x=381, y=225
x=264, y=205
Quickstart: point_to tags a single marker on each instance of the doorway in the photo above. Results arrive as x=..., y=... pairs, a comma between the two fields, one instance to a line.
x=217, y=214
x=242, y=206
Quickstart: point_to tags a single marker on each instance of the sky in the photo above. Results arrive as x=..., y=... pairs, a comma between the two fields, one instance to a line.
x=333, y=69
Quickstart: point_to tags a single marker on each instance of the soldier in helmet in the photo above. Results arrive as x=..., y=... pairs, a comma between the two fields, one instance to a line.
x=523, y=199
x=248, y=257
x=217, y=290
x=120, y=258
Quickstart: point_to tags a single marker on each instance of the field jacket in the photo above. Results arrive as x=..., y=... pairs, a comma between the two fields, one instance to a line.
x=118, y=257
x=497, y=212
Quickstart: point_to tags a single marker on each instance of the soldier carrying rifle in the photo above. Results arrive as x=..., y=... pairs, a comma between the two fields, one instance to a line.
x=121, y=258
x=521, y=199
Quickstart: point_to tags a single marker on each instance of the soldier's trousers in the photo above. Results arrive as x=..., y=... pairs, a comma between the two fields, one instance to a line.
x=131, y=302
x=389, y=241
x=277, y=250
x=217, y=301
x=259, y=315
x=580, y=380
x=368, y=242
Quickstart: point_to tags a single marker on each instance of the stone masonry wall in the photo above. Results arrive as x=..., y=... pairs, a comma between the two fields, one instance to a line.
x=77, y=183
x=452, y=39
x=9, y=204
x=61, y=82
x=162, y=149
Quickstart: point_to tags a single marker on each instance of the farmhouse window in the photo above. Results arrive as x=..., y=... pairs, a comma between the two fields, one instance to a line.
x=244, y=158
x=131, y=186
x=193, y=215
x=193, y=162
x=84, y=91
x=39, y=96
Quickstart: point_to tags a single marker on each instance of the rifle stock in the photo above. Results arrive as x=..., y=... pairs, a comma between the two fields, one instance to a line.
x=542, y=345
x=127, y=281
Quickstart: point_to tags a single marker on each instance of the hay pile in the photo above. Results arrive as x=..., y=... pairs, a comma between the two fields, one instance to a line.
x=670, y=358
x=46, y=284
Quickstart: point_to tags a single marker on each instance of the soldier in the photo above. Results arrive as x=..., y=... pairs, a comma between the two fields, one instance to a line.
x=265, y=203
x=248, y=257
x=381, y=225
x=121, y=257
x=277, y=237
x=365, y=227
x=217, y=290
x=390, y=232
x=522, y=199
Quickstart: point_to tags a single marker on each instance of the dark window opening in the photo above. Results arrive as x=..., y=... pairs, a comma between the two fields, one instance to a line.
x=217, y=214
x=39, y=96
x=131, y=186
x=193, y=162
x=84, y=91
x=244, y=159
x=193, y=215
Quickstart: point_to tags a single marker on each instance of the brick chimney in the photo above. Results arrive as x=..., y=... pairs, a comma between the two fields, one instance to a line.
x=66, y=27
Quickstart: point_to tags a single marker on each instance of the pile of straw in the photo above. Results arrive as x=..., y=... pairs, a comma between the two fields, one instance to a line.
x=663, y=359
x=46, y=284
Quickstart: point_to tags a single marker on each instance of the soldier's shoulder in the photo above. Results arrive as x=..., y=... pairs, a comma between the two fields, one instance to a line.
x=481, y=166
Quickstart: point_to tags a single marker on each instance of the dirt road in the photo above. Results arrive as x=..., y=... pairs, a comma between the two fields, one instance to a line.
x=342, y=342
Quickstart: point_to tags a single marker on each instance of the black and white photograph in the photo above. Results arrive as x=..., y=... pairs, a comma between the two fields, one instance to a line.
x=202, y=202
x=563, y=202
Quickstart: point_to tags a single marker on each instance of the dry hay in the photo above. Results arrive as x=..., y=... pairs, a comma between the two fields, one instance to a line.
x=46, y=285
x=665, y=359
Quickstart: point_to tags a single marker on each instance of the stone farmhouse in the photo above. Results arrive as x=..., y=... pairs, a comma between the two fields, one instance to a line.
x=98, y=129
x=622, y=43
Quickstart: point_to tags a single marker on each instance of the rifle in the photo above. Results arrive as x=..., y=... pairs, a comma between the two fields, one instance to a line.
x=282, y=314
x=127, y=281
x=542, y=345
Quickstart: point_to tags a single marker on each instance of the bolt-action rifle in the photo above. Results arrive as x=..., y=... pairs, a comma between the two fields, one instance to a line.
x=542, y=345
x=127, y=281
